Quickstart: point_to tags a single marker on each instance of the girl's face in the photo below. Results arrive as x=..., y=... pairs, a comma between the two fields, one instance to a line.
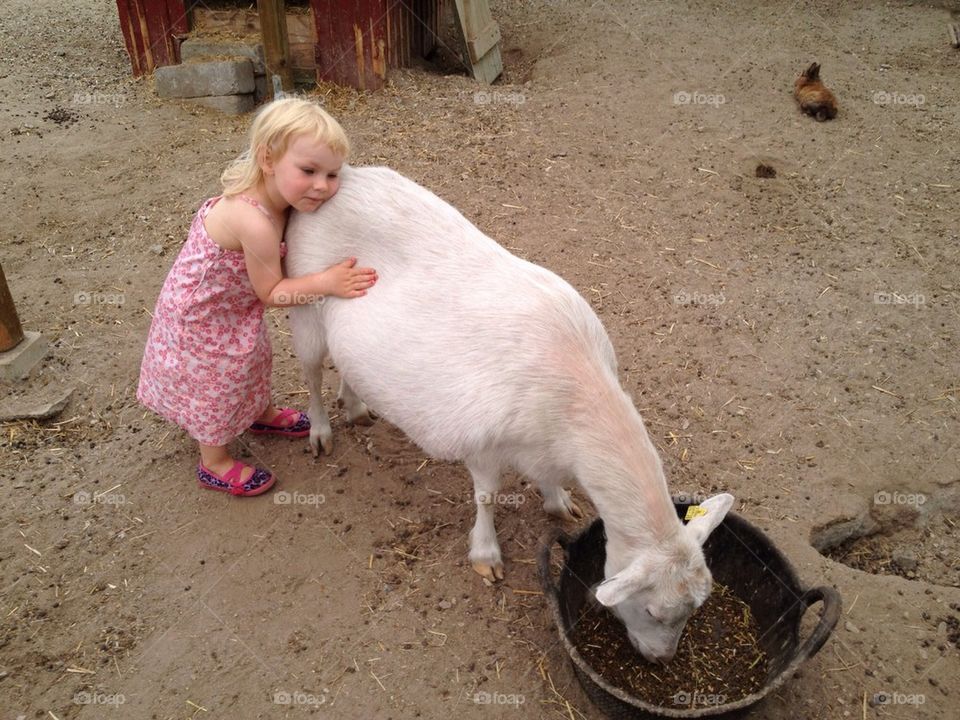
x=307, y=174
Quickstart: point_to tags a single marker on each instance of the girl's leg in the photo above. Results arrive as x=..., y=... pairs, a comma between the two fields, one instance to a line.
x=217, y=460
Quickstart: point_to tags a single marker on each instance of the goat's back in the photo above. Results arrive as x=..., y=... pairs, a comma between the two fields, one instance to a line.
x=459, y=342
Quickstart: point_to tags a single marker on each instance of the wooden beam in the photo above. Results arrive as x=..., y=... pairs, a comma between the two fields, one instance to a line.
x=11, y=332
x=276, y=46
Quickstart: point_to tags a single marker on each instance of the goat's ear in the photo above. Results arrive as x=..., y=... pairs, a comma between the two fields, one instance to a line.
x=716, y=509
x=622, y=585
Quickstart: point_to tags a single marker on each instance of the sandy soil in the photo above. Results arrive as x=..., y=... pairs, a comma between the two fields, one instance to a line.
x=792, y=340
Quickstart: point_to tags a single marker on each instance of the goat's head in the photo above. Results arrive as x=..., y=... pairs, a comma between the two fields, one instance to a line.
x=658, y=591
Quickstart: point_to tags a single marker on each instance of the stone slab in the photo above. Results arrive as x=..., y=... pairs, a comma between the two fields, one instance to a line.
x=205, y=79
x=227, y=104
x=192, y=50
x=16, y=363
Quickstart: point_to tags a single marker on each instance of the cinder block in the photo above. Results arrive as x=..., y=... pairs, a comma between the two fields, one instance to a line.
x=221, y=77
x=229, y=104
x=16, y=363
x=192, y=50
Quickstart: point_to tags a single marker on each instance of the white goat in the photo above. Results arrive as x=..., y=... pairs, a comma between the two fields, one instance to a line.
x=481, y=357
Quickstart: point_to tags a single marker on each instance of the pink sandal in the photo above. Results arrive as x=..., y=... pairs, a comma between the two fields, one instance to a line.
x=230, y=482
x=297, y=429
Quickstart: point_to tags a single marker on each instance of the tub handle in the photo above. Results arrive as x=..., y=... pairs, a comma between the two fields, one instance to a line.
x=555, y=535
x=828, y=619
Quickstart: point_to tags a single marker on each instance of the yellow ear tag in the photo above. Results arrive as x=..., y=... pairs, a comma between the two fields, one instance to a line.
x=694, y=511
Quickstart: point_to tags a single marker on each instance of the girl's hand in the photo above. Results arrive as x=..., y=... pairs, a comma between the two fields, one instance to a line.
x=345, y=280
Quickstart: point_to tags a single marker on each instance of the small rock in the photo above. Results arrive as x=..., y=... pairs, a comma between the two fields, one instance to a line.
x=851, y=627
x=445, y=604
x=942, y=629
x=156, y=249
x=905, y=558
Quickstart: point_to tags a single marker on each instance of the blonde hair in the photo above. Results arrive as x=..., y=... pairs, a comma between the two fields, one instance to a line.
x=276, y=124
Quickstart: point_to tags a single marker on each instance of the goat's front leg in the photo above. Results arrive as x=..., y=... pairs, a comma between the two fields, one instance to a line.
x=357, y=411
x=311, y=347
x=484, y=548
x=321, y=434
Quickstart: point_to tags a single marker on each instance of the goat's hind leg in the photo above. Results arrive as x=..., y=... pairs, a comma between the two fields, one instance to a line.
x=356, y=409
x=556, y=500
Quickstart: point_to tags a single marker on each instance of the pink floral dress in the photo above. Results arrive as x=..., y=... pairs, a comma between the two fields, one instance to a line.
x=207, y=362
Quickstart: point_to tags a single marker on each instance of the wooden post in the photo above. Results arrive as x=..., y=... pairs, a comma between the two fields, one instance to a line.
x=276, y=48
x=11, y=332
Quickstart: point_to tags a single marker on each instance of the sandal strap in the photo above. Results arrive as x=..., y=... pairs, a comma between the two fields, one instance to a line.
x=283, y=415
x=232, y=476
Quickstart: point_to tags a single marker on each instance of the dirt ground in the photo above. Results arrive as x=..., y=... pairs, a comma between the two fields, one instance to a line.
x=792, y=340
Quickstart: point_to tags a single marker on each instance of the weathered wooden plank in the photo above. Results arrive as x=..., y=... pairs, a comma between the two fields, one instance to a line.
x=151, y=31
x=158, y=33
x=352, y=42
x=276, y=50
x=129, y=37
x=481, y=39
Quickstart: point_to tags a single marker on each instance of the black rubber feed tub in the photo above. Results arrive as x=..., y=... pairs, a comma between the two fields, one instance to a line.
x=739, y=556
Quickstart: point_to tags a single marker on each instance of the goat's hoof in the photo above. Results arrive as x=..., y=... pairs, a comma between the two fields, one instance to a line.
x=571, y=514
x=361, y=419
x=490, y=573
x=563, y=508
x=318, y=442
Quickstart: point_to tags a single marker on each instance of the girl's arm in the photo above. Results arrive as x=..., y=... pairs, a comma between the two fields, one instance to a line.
x=261, y=251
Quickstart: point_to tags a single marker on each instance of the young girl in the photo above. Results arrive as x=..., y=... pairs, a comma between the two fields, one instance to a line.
x=207, y=362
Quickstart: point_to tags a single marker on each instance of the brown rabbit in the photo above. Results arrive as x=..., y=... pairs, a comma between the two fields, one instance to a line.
x=813, y=96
